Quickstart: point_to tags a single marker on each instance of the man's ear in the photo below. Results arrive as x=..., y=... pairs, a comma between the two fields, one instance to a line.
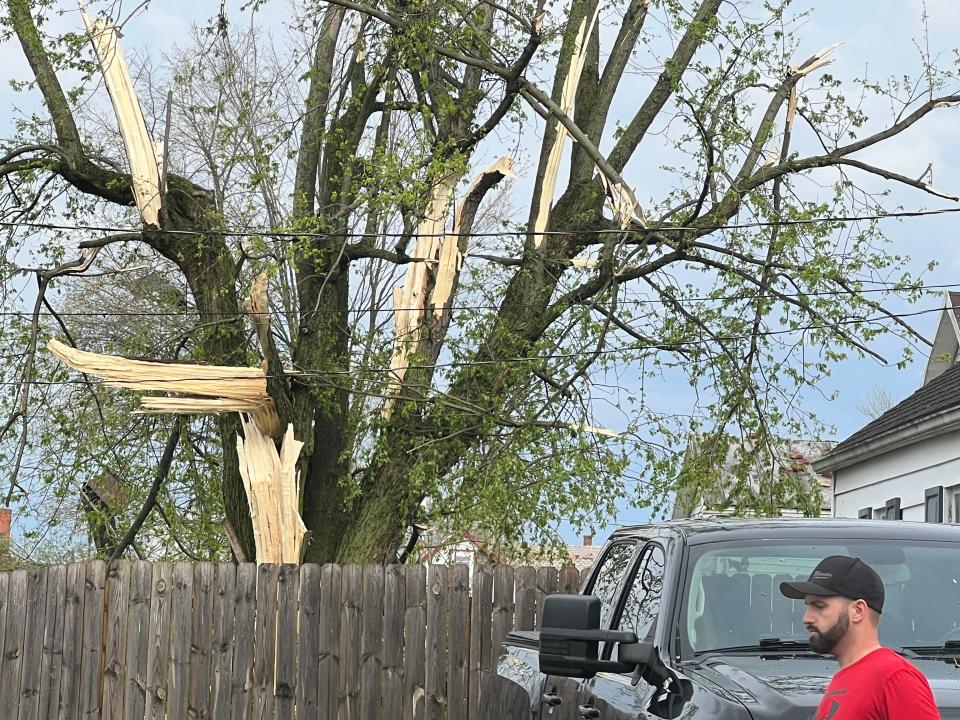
x=859, y=611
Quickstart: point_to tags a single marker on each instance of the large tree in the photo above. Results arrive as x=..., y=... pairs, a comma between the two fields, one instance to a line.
x=326, y=160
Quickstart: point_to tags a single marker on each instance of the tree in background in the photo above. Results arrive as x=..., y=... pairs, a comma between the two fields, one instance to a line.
x=322, y=160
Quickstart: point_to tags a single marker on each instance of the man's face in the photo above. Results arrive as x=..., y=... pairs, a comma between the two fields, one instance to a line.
x=827, y=621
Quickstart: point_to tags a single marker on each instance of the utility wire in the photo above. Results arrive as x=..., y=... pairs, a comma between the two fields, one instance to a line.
x=515, y=360
x=499, y=233
x=635, y=301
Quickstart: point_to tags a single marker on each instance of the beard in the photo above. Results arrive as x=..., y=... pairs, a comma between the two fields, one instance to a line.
x=826, y=641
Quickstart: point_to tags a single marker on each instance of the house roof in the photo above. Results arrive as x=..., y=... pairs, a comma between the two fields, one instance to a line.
x=938, y=396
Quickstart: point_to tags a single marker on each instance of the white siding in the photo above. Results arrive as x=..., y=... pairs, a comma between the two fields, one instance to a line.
x=905, y=473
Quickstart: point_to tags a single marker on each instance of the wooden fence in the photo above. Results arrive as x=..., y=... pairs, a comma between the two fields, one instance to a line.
x=181, y=641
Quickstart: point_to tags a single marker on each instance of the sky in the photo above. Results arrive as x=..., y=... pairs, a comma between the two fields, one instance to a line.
x=880, y=37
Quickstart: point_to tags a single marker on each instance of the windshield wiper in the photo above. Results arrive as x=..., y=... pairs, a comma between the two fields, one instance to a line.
x=763, y=645
x=950, y=647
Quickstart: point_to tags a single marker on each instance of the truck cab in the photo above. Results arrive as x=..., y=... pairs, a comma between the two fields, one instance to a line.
x=685, y=619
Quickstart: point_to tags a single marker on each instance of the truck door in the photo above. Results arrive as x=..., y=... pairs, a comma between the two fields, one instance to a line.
x=611, y=696
x=560, y=694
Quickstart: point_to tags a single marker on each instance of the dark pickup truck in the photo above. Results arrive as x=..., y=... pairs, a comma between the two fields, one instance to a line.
x=685, y=619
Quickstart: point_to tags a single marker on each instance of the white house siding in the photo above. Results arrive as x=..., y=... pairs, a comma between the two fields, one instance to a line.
x=906, y=473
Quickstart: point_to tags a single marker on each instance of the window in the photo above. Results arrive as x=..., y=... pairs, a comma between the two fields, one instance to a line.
x=865, y=513
x=891, y=510
x=643, y=602
x=933, y=504
x=607, y=580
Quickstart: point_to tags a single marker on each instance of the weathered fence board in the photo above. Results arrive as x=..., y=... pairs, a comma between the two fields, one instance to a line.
x=221, y=661
x=285, y=683
x=308, y=643
x=115, y=640
x=201, y=641
x=158, y=641
x=52, y=662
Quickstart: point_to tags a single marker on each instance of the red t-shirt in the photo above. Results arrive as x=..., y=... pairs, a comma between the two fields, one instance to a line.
x=879, y=686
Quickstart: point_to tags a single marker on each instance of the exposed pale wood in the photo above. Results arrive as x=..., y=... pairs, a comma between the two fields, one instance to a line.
x=221, y=388
x=436, y=679
x=158, y=653
x=52, y=663
x=234, y=540
x=13, y=643
x=481, y=632
x=329, y=673
x=458, y=643
x=115, y=640
x=394, y=599
x=141, y=153
x=201, y=640
x=259, y=307
x=265, y=642
x=351, y=597
x=308, y=642
x=285, y=681
x=32, y=650
x=567, y=96
x=415, y=653
x=221, y=660
x=410, y=300
x=270, y=480
x=245, y=614
x=138, y=636
x=93, y=596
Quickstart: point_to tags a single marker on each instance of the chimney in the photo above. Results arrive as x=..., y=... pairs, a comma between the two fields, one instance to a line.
x=6, y=517
x=587, y=540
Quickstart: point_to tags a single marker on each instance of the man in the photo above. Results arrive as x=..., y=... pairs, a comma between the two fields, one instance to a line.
x=844, y=599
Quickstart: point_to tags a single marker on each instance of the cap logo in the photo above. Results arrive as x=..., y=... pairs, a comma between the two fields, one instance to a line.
x=820, y=575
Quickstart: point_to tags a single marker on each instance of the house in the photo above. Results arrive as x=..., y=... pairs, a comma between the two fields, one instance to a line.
x=472, y=550
x=905, y=464
x=791, y=456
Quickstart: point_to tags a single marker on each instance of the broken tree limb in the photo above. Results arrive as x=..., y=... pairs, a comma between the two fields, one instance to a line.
x=141, y=153
x=220, y=388
x=271, y=481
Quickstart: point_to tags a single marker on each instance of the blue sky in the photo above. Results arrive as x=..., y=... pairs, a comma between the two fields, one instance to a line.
x=878, y=37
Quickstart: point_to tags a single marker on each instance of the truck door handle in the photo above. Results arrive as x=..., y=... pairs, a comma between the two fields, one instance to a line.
x=588, y=711
x=550, y=699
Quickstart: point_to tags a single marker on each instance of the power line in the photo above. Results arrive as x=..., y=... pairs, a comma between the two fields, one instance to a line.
x=518, y=360
x=498, y=233
x=626, y=301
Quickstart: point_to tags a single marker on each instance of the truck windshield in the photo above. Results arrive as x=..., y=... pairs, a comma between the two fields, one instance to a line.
x=733, y=599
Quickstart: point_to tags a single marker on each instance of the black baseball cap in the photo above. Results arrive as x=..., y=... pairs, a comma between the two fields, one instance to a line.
x=841, y=575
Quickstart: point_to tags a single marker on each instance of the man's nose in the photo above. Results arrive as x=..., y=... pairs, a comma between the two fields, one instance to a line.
x=807, y=617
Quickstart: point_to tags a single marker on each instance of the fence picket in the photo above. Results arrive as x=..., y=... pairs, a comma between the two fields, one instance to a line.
x=458, y=647
x=93, y=596
x=13, y=641
x=52, y=662
x=371, y=642
x=350, y=599
x=329, y=674
x=138, y=645
x=481, y=633
x=221, y=658
x=436, y=686
x=394, y=599
x=265, y=644
x=285, y=683
x=158, y=653
x=245, y=608
x=308, y=642
x=115, y=640
x=201, y=622
x=414, y=652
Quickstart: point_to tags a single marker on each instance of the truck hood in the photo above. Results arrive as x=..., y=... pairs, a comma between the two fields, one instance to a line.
x=790, y=687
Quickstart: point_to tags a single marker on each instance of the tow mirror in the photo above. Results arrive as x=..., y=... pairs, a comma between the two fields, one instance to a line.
x=570, y=638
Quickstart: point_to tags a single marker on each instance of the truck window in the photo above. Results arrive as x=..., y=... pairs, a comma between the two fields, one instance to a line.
x=607, y=580
x=643, y=600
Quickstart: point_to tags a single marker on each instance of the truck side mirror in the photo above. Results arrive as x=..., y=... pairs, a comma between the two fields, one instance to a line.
x=570, y=637
x=672, y=692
